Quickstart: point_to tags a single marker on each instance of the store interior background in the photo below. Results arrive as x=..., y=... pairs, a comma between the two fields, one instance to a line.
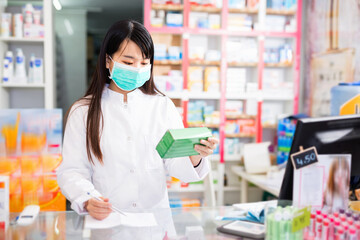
x=83, y=24
x=80, y=27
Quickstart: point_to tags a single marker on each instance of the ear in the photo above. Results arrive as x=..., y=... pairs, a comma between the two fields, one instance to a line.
x=107, y=59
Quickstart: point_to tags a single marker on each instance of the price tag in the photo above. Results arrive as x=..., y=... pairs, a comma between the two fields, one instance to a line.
x=304, y=158
x=301, y=219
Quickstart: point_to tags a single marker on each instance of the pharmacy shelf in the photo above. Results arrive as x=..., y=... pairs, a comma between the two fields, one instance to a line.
x=239, y=135
x=193, y=95
x=205, y=9
x=242, y=64
x=208, y=125
x=282, y=12
x=17, y=39
x=204, y=62
x=204, y=95
x=278, y=65
x=167, y=62
x=242, y=96
x=223, y=34
x=167, y=30
x=279, y=34
x=22, y=85
x=277, y=97
x=269, y=126
x=220, y=32
x=239, y=116
x=244, y=10
x=206, y=31
x=167, y=7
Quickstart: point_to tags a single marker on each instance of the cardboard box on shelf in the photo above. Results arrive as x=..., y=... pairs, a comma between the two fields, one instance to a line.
x=195, y=81
x=212, y=79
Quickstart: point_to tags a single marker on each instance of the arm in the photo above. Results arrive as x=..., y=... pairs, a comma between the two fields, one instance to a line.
x=183, y=168
x=75, y=172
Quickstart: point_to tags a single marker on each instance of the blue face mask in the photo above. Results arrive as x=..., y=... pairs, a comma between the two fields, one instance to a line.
x=129, y=78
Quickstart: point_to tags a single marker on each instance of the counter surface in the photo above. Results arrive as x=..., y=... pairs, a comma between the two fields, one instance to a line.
x=171, y=222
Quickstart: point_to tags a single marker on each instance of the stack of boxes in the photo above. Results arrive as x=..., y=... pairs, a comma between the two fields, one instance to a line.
x=236, y=80
x=198, y=83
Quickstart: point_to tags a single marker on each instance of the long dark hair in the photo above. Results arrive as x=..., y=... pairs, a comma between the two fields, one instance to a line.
x=118, y=33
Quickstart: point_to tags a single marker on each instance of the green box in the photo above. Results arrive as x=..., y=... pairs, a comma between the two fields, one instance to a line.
x=180, y=142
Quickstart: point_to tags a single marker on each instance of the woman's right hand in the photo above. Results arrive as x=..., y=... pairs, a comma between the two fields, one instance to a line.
x=98, y=209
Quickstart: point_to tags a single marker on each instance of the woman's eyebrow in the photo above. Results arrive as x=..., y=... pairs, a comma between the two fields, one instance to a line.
x=127, y=56
x=131, y=57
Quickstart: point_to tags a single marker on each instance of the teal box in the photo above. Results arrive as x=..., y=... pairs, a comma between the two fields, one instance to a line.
x=180, y=142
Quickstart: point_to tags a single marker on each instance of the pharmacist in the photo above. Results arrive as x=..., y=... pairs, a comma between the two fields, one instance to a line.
x=111, y=133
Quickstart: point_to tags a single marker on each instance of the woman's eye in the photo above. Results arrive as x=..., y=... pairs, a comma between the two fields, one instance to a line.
x=128, y=63
x=144, y=64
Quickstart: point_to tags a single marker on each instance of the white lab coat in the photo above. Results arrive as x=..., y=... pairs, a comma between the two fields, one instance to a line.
x=133, y=174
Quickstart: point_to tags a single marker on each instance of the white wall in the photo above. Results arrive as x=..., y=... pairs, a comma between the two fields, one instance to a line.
x=71, y=31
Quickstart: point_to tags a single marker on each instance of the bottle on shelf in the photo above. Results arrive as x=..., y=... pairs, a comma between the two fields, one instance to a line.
x=38, y=73
x=31, y=68
x=6, y=71
x=20, y=71
x=10, y=57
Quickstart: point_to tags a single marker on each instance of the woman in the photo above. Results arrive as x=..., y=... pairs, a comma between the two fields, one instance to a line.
x=336, y=194
x=111, y=133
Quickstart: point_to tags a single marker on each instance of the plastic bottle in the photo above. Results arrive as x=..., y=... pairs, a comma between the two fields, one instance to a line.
x=6, y=71
x=340, y=234
x=325, y=230
x=10, y=57
x=20, y=71
x=31, y=68
x=336, y=225
x=331, y=228
x=312, y=231
x=28, y=12
x=346, y=228
x=352, y=233
x=39, y=70
x=357, y=225
x=319, y=220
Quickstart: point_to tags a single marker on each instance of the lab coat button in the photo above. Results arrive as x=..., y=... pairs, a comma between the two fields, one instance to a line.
x=134, y=205
x=129, y=139
x=132, y=170
x=125, y=106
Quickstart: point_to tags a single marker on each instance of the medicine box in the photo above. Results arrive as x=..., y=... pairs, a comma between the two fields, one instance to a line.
x=195, y=82
x=212, y=79
x=181, y=142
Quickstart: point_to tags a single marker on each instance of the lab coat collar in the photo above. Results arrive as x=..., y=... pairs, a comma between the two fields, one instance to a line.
x=119, y=96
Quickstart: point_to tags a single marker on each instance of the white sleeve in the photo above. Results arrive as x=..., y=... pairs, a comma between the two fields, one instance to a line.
x=75, y=171
x=182, y=168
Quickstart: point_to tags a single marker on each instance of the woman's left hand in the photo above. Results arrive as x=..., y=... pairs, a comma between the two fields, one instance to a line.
x=208, y=149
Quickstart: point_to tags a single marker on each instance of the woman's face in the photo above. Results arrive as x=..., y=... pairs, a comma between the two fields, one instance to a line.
x=128, y=54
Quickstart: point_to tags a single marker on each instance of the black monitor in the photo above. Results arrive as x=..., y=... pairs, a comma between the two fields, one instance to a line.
x=330, y=135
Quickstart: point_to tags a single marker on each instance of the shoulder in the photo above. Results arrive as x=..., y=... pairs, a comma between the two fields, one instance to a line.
x=79, y=109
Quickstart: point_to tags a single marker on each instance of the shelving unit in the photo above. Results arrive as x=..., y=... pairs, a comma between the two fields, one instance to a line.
x=30, y=95
x=262, y=36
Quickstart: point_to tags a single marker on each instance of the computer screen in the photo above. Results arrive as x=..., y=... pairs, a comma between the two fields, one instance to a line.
x=330, y=135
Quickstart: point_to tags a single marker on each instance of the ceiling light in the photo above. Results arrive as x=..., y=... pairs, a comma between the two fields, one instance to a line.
x=57, y=4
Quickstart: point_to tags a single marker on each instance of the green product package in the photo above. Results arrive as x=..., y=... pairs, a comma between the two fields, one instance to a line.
x=180, y=142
